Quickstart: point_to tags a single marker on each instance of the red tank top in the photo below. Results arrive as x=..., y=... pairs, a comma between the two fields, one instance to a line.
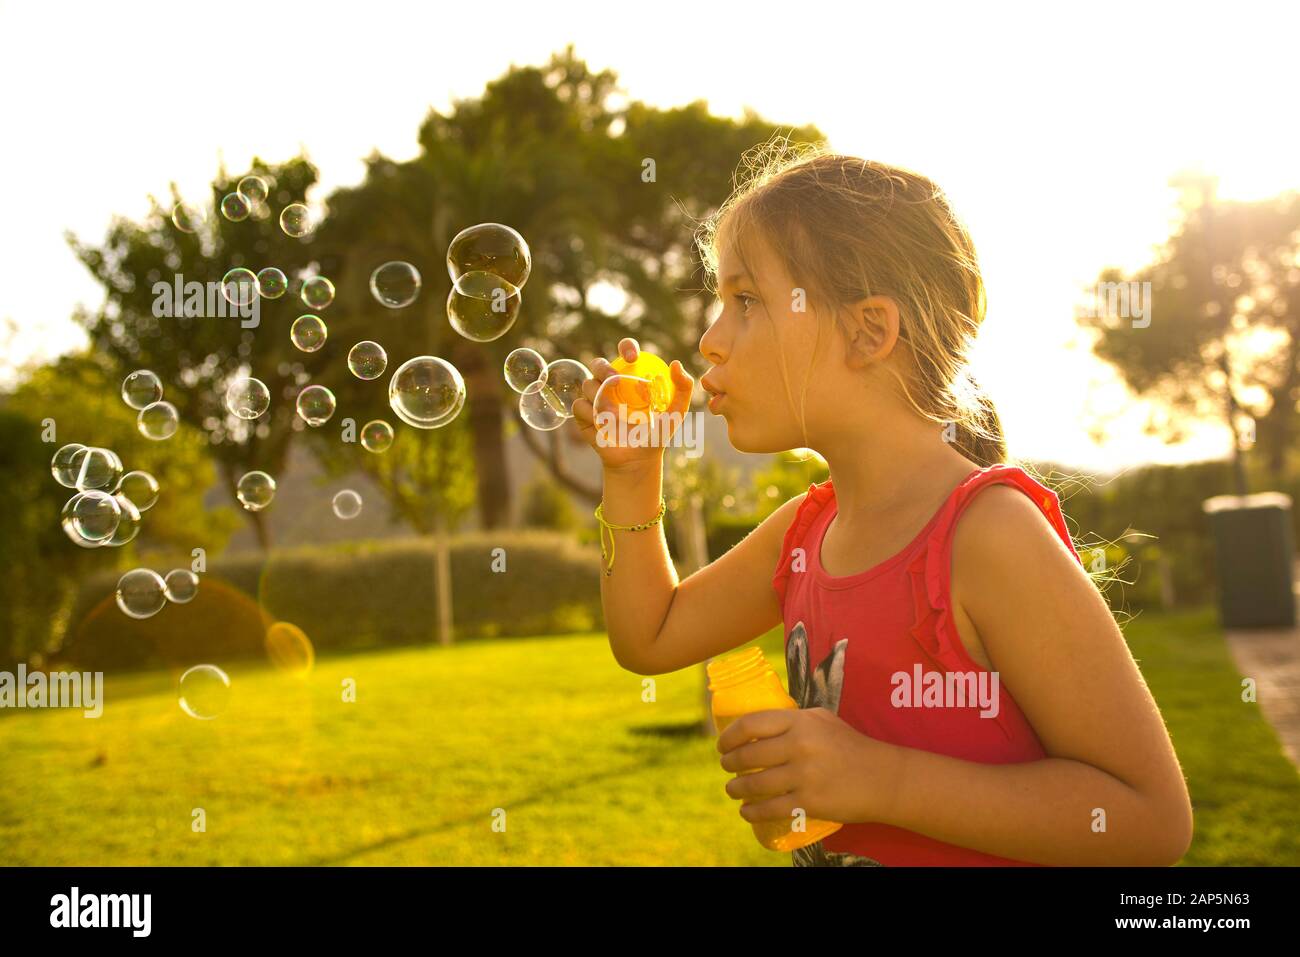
x=862, y=646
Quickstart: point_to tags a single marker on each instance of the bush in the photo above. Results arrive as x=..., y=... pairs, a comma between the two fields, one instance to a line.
x=348, y=598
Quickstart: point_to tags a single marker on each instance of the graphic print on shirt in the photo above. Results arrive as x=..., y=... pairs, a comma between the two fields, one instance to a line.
x=820, y=688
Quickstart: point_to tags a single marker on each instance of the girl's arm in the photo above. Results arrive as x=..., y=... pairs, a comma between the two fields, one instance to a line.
x=657, y=624
x=1058, y=651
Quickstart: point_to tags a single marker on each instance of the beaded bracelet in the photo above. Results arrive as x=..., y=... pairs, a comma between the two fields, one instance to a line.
x=600, y=517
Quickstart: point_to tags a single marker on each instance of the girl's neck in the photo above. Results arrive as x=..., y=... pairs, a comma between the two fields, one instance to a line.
x=889, y=474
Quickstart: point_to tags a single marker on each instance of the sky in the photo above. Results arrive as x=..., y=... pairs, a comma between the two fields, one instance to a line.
x=1054, y=132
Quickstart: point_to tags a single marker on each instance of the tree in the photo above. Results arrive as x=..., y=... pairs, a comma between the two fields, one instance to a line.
x=197, y=356
x=1222, y=338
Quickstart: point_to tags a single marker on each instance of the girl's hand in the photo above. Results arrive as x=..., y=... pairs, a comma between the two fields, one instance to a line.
x=617, y=456
x=813, y=760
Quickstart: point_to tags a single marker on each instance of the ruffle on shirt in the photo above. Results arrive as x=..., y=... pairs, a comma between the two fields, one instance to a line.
x=818, y=498
x=930, y=571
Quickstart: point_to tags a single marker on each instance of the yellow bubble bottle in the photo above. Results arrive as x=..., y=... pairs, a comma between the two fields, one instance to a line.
x=745, y=682
x=655, y=371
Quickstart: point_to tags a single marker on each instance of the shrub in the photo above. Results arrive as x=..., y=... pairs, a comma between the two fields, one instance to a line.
x=345, y=598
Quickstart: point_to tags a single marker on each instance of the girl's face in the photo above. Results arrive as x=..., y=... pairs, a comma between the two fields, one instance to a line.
x=760, y=323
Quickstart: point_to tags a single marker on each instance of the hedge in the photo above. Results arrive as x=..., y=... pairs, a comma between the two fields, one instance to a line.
x=348, y=598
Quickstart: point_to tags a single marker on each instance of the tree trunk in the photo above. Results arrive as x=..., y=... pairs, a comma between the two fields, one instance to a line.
x=486, y=425
x=442, y=580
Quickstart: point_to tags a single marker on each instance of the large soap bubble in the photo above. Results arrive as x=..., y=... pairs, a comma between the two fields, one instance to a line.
x=426, y=392
x=141, y=388
x=482, y=306
x=490, y=247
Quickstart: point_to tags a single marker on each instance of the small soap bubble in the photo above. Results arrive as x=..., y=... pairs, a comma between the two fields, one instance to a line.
x=523, y=368
x=235, y=208
x=272, y=282
x=295, y=220
x=239, y=286
x=253, y=189
x=180, y=585
x=426, y=392
x=490, y=247
x=129, y=526
x=482, y=306
x=347, y=504
x=141, y=593
x=187, y=218
x=376, y=436
x=539, y=409
x=630, y=398
x=318, y=292
x=564, y=378
x=94, y=515
x=395, y=284
x=248, y=398
x=65, y=465
x=75, y=536
x=655, y=372
x=139, y=487
x=158, y=421
x=315, y=405
x=96, y=469
x=367, y=360
x=141, y=388
x=205, y=692
x=255, y=490
x=308, y=333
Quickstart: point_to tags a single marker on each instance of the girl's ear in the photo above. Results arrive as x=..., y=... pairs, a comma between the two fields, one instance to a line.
x=872, y=330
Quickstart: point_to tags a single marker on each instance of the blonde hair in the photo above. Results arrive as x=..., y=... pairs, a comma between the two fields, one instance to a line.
x=848, y=228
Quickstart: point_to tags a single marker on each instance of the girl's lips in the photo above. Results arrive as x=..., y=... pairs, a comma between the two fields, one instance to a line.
x=715, y=401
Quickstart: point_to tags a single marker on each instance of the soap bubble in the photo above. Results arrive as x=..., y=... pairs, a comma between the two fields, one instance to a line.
x=239, y=286
x=376, y=436
x=308, y=333
x=158, y=421
x=289, y=648
x=76, y=537
x=253, y=189
x=395, y=284
x=482, y=306
x=65, y=465
x=235, y=208
x=523, y=368
x=205, y=692
x=96, y=469
x=187, y=218
x=540, y=408
x=94, y=515
x=181, y=585
x=255, y=490
x=141, y=593
x=625, y=396
x=141, y=388
x=318, y=292
x=129, y=525
x=367, y=360
x=347, y=504
x=490, y=247
x=140, y=488
x=426, y=392
x=315, y=405
x=248, y=398
x=272, y=282
x=295, y=220
x=564, y=378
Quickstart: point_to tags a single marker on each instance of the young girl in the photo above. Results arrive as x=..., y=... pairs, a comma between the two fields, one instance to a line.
x=850, y=295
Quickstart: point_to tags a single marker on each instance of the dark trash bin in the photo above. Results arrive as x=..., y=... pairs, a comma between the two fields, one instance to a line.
x=1254, y=550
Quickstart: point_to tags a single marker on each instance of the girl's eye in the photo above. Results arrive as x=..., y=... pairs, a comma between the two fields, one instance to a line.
x=745, y=301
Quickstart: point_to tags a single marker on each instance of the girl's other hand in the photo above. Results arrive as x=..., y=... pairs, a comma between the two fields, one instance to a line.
x=627, y=456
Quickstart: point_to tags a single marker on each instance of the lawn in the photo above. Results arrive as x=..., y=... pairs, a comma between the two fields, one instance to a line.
x=549, y=730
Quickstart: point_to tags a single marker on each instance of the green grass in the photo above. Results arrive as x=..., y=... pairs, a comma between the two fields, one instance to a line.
x=549, y=729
